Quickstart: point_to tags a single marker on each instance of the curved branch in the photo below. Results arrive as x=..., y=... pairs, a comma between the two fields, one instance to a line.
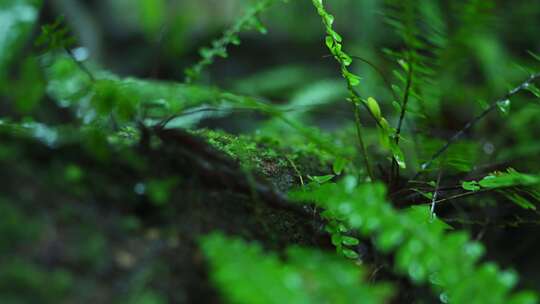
x=474, y=121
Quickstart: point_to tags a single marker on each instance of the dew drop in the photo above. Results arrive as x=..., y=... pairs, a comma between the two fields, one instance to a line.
x=80, y=53
x=139, y=188
x=443, y=297
x=504, y=106
x=488, y=148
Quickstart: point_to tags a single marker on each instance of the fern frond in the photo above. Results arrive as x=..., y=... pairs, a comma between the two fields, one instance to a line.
x=518, y=187
x=424, y=250
x=245, y=274
x=422, y=31
x=249, y=20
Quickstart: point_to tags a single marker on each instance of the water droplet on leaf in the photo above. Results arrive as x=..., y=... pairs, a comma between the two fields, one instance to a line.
x=504, y=106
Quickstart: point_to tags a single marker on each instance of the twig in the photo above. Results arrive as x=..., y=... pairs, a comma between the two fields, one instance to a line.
x=474, y=121
x=518, y=221
x=80, y=64
x=434, y=199
x=296, y=170
x=462, y=195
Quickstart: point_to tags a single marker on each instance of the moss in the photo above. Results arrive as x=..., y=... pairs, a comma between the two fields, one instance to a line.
x=282, y=165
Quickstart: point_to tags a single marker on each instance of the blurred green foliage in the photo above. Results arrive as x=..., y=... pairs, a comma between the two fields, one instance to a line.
x=408, y=119
x=425, y=252
x=247, y=275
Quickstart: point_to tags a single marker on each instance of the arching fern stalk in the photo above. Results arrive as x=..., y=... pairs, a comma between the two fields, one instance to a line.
x=334, y=42
x=422, y=32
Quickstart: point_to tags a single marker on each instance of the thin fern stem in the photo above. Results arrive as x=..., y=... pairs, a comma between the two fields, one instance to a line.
x=363, y=149
x=405, y=101
x=408, y=86
x=80, y=64
x=460, y=195
x=435, y=194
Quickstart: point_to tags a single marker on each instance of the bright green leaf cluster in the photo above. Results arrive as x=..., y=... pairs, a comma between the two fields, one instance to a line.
x=509, y=178
x=337, y=228
x=55, y=36
x=424, y=250
x=245, y=274
x=334, y=43
x=517, y=187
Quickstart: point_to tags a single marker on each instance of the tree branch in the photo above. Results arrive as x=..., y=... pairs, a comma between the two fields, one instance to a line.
x=474, y=121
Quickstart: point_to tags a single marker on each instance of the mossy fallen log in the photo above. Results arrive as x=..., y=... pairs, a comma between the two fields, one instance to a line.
x=87, y=217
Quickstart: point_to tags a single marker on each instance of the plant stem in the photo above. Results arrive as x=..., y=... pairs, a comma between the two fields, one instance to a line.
x=405, y=101
x=80, y=64
x=361, y=141
x=435, y=193
x=462, y=195
x=379, y=71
